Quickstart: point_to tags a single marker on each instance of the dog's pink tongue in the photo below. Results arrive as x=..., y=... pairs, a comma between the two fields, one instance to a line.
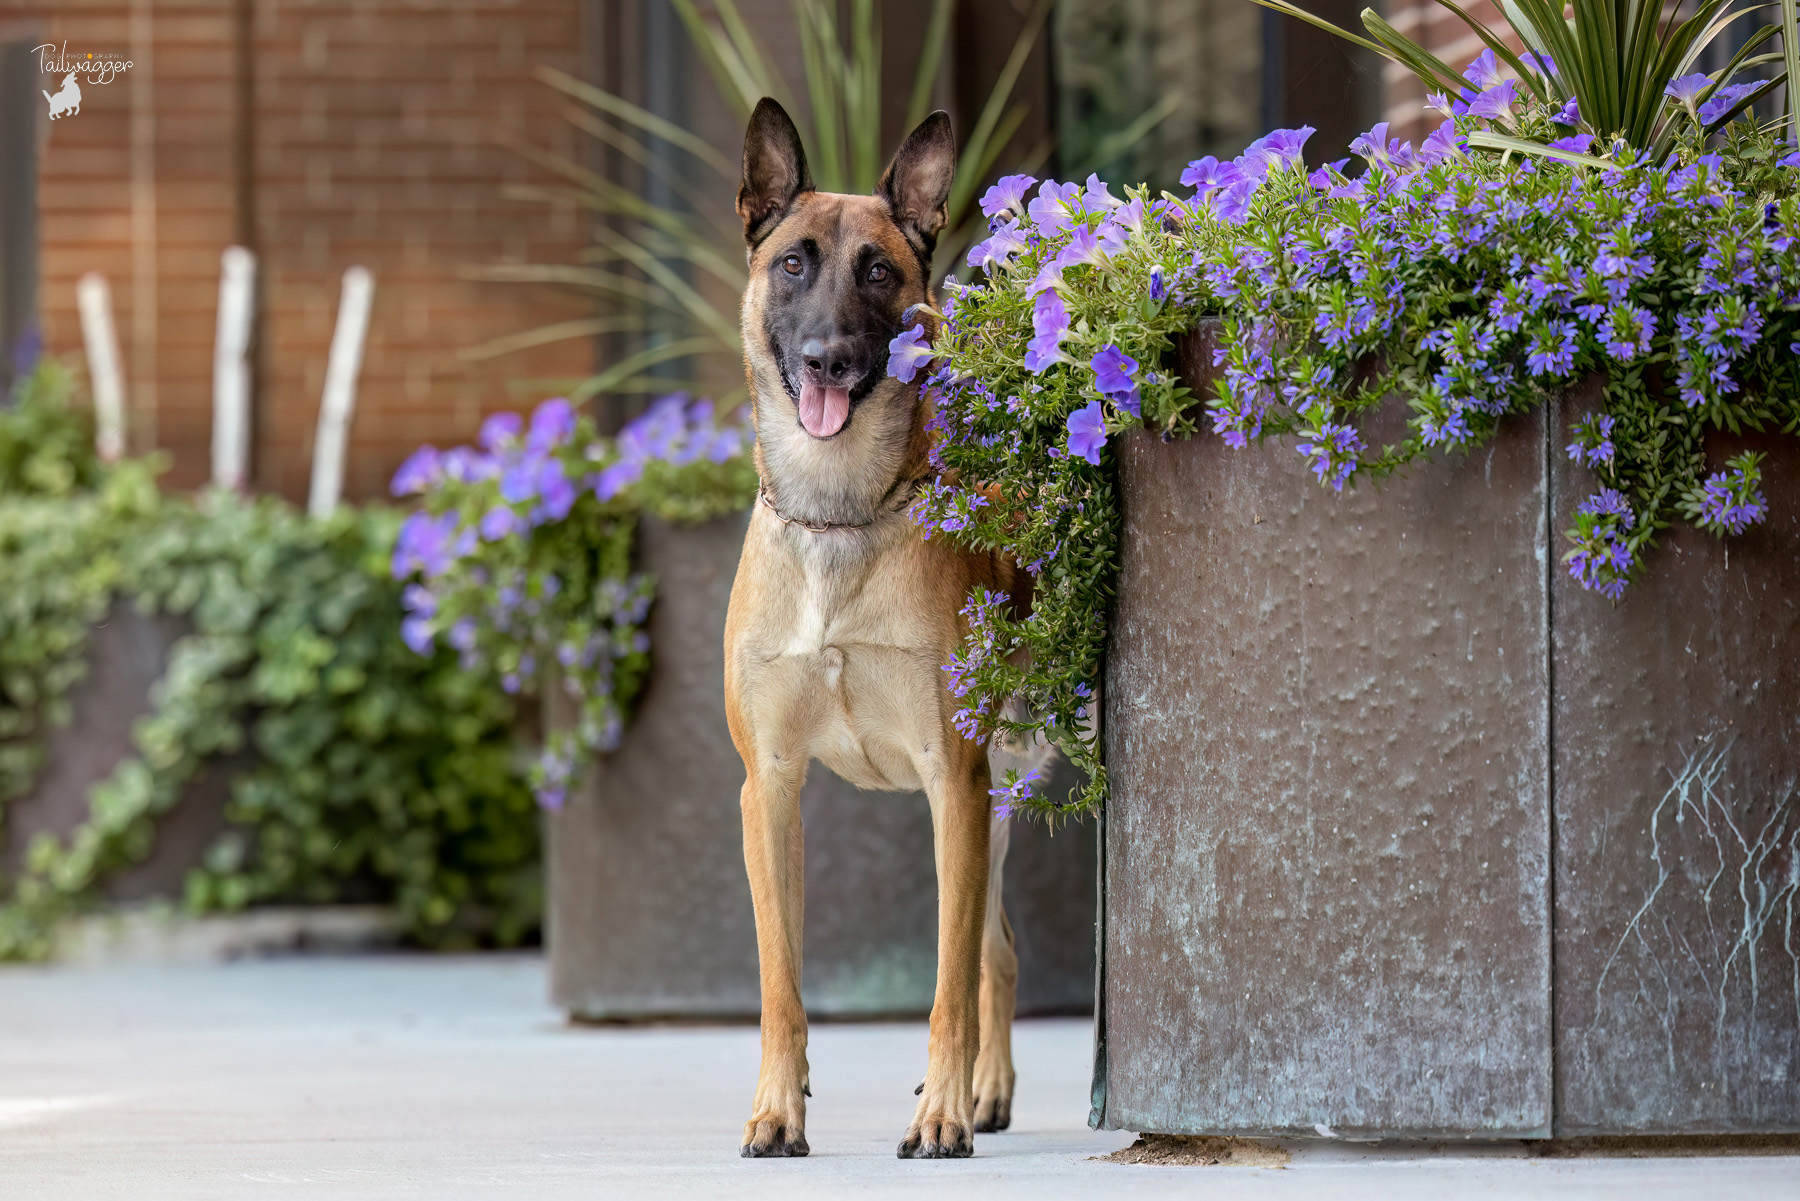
x=823, y=411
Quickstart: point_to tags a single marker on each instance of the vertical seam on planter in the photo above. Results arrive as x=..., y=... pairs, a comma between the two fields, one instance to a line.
x=1552, y=415
x=1097, y=1090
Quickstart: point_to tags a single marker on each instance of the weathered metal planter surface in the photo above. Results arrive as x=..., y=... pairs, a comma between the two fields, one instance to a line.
x=649, y=912
x=1393, y=844
x=126, y=656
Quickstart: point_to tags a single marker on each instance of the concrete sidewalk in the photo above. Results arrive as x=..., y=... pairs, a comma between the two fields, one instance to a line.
x=450, y=1077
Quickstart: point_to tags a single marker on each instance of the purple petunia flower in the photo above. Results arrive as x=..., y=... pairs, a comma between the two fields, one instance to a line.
x=1577, y=143
x=998, y=250
x=499, y=430
x=1087, y=432
x=425, y=544
x=908, y=352
x=421, y=469
x=1113, y=369
x=1495, y=102
x=1054, y=209
x=1157, y=289
x=416, y=633
x=499, y=522
x=552, y=423
x=1687, y=89
x=1724, y=100
x=1280, y=148
x=1050, y=324
x=1569, y=114
x=1006, y=196
x=1442, y=143
x=1483, y=71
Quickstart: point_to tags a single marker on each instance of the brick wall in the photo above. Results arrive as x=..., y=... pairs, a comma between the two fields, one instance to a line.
x=370, y=138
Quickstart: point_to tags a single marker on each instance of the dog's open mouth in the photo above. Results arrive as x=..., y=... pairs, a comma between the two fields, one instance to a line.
x=823, y=411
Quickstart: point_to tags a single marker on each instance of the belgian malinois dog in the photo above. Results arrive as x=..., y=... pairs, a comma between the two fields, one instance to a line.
x=843, y=614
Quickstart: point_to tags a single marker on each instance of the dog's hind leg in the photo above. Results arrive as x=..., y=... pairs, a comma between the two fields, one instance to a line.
x=999, y=993
x=774, y=857
x=943, y=1126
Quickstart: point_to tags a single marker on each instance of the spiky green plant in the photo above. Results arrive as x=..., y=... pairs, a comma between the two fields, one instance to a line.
x=1614, y=58
x=676, y=274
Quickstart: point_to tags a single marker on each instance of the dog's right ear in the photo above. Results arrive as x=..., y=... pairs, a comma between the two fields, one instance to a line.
x=774, y=170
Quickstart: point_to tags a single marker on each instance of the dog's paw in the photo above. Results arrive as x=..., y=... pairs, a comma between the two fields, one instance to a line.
x=993, y=1096
x=938, y=1137
x=769, y=1135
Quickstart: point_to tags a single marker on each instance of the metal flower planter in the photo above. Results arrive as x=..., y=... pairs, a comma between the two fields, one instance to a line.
x=1410, y=835
x=649, y=912
x=126, y=656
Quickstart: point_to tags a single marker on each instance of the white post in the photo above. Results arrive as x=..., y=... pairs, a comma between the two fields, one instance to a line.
x=94, y=300
x=231, y=368
x=339, y=401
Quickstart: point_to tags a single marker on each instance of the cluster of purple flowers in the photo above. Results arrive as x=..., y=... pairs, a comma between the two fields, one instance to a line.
x=501, y=532
x=1730, y=501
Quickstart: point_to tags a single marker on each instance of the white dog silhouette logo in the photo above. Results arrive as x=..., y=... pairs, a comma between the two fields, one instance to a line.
x=67, y=99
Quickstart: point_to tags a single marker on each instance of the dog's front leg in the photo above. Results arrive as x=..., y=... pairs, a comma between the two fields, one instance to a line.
x=943, y=1127
x=999, y=993
x=774, y=856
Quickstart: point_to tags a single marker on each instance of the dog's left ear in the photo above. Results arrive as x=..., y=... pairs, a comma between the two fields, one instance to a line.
x=916, y=184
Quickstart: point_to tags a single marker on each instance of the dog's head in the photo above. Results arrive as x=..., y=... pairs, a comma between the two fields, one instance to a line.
x=831, y=277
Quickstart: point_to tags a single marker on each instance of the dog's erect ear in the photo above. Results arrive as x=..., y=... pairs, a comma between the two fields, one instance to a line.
x=916, y=184
x=774, y=170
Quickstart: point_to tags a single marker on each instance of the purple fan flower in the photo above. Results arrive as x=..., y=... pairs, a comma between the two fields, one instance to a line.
x=1087, y=432
x=552, y=423
x=499, y=430
x=421, y=470
x=1731, y=502
x=908, y=352
x=1007, y=195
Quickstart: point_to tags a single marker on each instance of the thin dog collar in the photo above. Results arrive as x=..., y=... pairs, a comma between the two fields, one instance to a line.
x=906, y=494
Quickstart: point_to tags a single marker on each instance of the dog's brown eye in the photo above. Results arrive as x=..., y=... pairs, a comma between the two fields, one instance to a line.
x=791, y=264
x=878, y=272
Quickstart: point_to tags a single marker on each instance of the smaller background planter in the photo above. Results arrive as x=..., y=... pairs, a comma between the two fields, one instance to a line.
x=649, y=911
x=126, y=655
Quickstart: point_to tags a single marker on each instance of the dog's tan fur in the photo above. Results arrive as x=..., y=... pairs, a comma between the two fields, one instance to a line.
x=834, y=647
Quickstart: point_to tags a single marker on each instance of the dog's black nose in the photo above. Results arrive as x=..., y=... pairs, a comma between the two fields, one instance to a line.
x=829, y=361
